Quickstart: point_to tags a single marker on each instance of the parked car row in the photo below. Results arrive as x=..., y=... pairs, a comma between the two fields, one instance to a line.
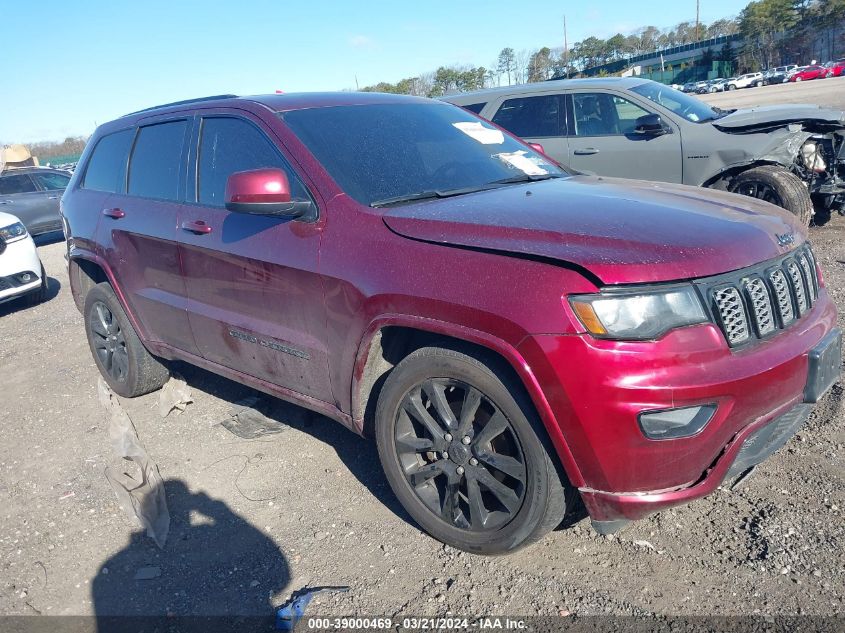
x=636, y=128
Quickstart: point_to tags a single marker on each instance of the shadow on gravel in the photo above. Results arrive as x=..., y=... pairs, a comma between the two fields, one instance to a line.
x=358, y=454
x=214, y=563
x=21, y=303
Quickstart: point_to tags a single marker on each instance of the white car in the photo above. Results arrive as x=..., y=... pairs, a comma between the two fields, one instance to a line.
x=746, y=81
x=21, y=272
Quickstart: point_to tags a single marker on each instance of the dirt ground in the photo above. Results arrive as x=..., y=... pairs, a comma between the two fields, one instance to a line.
x=254, y=520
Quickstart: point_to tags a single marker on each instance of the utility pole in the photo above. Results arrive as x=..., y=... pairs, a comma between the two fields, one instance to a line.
x=565, y=51
x=697, y=22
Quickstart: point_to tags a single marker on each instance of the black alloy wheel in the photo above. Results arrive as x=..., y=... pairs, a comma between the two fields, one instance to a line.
x=460, y=455
x=109, y=342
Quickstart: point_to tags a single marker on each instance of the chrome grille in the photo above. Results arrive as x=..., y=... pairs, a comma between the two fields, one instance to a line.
x=782, y=294
x=797, y=286
x=756, y=302
x=732, y=314
x=808, y=276
x=760, y=305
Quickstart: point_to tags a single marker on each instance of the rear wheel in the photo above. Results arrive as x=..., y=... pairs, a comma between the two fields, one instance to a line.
x=465, y=454
x=776, y=185
x=128, y=368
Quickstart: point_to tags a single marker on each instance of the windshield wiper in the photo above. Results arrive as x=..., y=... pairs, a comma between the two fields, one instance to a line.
x=449, y=193
x=525, y=178
x=424, y=195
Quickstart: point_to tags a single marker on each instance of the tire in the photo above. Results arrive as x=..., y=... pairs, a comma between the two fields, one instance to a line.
x=497, y=523
x=775, y=184
x=731, y=87
x=40, y=295
x=798, y=79
x=125, y=364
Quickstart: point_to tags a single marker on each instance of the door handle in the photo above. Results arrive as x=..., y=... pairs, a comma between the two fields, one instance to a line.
x=586, y=151
x=5, y=202
x=52, y=197
x=114, y=213
x=197, y=226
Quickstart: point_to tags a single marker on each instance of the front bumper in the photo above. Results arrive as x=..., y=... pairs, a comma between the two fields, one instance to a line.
x=622, y=475
x=18, y=259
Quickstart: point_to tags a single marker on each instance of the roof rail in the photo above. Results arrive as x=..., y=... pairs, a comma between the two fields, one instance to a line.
x=185, y=102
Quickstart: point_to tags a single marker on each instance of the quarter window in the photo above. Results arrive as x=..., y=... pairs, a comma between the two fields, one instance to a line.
x=106, y=169
x=154, y=166
x=531, y=117
x=475, y=107
x=230, y=145
x=19, y=183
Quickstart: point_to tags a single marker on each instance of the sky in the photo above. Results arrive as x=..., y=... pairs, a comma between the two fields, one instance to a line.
x=66, y=66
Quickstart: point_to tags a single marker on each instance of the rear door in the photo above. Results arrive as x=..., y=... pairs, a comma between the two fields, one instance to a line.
x=602, y=141
x=20, y=196
x=256, y=299
x=137, y=231
x=536, y=118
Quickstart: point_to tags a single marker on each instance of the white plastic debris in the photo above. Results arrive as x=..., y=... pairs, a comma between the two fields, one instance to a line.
x=142, y=501
x=174, y=396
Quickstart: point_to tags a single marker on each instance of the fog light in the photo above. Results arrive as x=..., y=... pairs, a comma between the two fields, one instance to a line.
x=673, y=423
x=26, y=278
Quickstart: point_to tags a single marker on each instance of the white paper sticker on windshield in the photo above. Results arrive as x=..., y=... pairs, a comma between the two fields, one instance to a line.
x=482, y=134
x=529, y=165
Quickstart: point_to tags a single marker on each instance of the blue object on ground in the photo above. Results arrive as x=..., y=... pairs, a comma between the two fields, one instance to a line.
x=289, y=613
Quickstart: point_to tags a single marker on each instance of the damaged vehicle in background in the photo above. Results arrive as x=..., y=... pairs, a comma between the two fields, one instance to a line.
x=789, y=155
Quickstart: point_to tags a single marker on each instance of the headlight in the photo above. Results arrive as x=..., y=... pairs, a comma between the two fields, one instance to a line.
x=13, y=232
x=638, y=315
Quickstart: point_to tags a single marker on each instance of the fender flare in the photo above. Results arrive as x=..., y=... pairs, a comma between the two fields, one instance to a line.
x=76, y=255
x=483, y=339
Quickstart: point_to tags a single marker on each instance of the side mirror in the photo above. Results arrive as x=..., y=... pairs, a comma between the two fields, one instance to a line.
x=263, y=192
x=650, y=125
x=537, y=148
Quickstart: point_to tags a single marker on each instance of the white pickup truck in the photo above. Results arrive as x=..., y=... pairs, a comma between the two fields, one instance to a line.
x=745, y=81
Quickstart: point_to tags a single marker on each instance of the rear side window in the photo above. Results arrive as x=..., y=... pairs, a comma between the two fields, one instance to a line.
x=531, y=117
x=19, y=183
x=229, y=145
x=475, y=107
x=107, y=168
x=154, y=166
x=51, y=181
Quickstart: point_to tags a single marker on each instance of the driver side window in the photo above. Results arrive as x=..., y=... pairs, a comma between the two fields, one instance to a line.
x=229, y=145
x=604, y=114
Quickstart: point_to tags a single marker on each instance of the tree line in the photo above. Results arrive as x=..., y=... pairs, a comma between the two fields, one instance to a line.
x=774, y=32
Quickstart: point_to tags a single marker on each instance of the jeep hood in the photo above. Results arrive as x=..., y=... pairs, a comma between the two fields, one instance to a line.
x=621, y=231
x=769, y=117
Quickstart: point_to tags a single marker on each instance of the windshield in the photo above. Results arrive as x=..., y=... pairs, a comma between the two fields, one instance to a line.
x=681, y=104
x=385, y=154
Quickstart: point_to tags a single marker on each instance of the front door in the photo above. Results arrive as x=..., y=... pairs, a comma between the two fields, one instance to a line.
x=20, y=196
x=256, y=300
x=602, y=141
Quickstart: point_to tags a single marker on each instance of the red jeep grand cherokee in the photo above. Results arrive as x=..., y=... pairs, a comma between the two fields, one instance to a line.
x=514, y=336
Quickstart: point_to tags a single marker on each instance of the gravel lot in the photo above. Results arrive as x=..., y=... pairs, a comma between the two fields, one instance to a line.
x=254, y=520
x=826, y=92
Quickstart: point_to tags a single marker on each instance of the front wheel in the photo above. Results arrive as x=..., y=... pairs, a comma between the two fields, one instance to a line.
x=731, y=87
x=465, y=454
x=128, y=368
x=776, y=185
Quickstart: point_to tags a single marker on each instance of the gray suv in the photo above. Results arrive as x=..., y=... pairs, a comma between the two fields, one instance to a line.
x=33, y=195
x=636, y=128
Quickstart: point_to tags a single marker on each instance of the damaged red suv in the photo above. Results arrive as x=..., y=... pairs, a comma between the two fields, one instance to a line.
x=513, y=336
